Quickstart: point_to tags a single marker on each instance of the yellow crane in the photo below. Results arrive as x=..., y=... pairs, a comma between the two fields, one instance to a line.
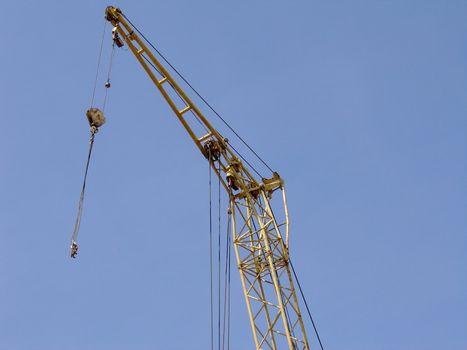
x=260, y=238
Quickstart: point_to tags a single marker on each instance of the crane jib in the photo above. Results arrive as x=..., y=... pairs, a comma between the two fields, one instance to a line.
x=260, y=234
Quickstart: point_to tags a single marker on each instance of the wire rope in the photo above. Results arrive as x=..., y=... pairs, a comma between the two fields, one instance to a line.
x=227, y=283
x=107, y=83
x=306, y=305
x=74, y=236
x=197, y=118
x=198, y=94
x=98, y=64
x=227, y=288
x=219, y=257
x=210, y=252
x=302, y=294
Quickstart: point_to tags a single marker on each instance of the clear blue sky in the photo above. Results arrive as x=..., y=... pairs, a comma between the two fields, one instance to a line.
x=360, y=105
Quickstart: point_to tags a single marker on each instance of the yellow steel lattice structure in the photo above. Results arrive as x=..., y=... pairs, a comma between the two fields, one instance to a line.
x=260, y=238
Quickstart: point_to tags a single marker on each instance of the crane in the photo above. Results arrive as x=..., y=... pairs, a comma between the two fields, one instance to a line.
x=260, y=238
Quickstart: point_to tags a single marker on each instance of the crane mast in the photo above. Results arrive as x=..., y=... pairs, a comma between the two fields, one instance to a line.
x=260, y=241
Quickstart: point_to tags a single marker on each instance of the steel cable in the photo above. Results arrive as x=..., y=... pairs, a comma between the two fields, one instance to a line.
x=302, y=294
x=306, y=305
x=210, y=250
x=107, y=83
x=227, y=289
x=198, y=94
x=79, y=213
x=219, y=257
x=98, y=64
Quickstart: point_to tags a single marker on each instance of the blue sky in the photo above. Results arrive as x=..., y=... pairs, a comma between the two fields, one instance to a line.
x=359, y=105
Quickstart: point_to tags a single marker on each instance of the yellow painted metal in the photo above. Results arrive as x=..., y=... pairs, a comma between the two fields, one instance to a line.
x=260, y=250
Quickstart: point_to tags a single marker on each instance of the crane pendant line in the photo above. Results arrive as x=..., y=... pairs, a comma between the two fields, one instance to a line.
x=260, y=242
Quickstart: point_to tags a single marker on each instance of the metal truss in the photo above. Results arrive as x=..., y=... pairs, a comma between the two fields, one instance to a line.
x=260, y=247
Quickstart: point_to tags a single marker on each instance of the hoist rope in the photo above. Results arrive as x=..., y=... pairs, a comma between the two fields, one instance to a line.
x=108, y=77
x=98, y=64
x=210, y=250
x=227, y=289
x=199, y=121
x=198, y=94
x=74, y=236
x=222, y=324
x=219, y=257
x=194, y=114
